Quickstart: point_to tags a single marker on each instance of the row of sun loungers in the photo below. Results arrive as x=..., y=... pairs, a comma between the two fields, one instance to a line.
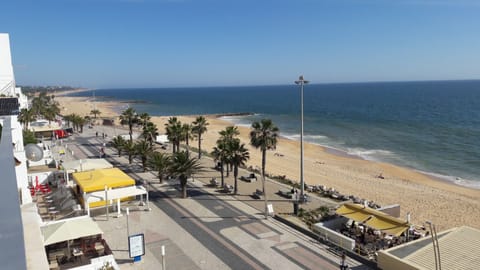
x=334, y=194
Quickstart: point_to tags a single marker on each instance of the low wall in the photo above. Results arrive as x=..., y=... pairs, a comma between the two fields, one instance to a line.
x=314, y=236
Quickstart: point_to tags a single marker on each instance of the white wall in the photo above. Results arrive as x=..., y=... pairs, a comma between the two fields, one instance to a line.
x=6, y=69
x=12, y=256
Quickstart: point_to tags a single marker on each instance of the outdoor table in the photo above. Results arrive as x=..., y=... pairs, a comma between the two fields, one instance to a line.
x=99, y=247
x=53, y=214
x=53, y=265
x=77, y=253
x=54, y=255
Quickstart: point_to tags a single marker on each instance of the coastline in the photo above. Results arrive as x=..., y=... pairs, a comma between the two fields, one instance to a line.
x=424, y=196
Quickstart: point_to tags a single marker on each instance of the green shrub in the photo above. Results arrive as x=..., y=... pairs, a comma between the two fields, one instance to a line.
x=29, y=137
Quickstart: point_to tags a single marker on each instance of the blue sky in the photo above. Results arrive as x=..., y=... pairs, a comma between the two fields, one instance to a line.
x=164, y=43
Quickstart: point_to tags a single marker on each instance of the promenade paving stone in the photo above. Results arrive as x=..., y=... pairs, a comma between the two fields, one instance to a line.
x=208, y=230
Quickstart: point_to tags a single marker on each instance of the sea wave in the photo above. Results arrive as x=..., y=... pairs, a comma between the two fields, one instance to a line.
x=237, y=120
x=371, y=154
x=305, y=137
x=454, y=179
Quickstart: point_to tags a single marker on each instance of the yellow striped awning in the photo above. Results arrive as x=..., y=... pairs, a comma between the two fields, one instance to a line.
x=373, y=218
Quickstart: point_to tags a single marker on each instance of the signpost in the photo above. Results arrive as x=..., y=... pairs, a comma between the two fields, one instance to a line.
x=136, y=246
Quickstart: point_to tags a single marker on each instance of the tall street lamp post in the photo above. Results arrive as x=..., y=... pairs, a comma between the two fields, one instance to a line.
x=301, y=82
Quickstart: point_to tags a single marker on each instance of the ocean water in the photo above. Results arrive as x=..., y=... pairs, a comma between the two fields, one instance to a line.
x=433, y=127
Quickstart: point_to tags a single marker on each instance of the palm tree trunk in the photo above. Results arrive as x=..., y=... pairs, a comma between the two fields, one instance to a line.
x=199, y=145
x=130, y=127
x=188, y=146
x=221, y=173
x=235, y=175
x=183, y=183
x=160, y=178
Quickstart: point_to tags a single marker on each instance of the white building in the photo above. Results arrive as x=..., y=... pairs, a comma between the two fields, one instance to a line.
x=22, y=243
x=14, y=185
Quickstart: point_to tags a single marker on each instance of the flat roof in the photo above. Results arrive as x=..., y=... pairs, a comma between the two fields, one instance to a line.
x=88, y=164
x=459, y=249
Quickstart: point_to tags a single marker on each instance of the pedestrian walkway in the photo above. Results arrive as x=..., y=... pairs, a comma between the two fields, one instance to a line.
x=208, y=230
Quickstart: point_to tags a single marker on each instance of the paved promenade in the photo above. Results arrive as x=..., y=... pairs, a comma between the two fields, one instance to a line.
x=207, y=230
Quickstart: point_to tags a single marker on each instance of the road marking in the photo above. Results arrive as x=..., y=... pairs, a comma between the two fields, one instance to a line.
x=214, y=235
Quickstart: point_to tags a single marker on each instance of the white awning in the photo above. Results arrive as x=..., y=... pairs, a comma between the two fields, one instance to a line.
x=162, y=139
x=68, y=230
x=117, y=193
x=89, y=164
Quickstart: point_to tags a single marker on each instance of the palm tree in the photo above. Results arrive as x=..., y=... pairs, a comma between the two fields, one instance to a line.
x=38, y=103
x=143, y=150
x=173, y=130
x=77, y=122
x=199, y=127
x=184, y=167
x=187, y=135
x=150, y=132
x=50, y=113
x=159, y=162
x=26, y=116
x=264, y=137
x=71, y=118
x=229, y=133
x=95, y=112
x=227, y=136
x=129, y=117
x=41, y=102
x=68, y=118
x=238, y=155
x=130, y=150
x=81, y=122
x=220, y=154
x=144, y=119
x=118, y=143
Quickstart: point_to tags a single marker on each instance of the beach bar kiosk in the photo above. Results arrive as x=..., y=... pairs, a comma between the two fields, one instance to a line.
x=112, y=185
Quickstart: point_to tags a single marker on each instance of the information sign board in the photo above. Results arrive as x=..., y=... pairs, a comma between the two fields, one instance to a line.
x=136, y=245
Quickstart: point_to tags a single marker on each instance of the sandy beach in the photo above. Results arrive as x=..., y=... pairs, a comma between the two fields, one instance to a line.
x=445, y=204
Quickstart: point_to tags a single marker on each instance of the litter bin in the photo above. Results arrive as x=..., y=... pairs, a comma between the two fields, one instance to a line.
x=295, y=208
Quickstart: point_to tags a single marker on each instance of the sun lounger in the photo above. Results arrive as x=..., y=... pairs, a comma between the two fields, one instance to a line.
x=228, y=188
x=285, y=194
x=213, y=182
x=257, y=194
x=249, y=178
